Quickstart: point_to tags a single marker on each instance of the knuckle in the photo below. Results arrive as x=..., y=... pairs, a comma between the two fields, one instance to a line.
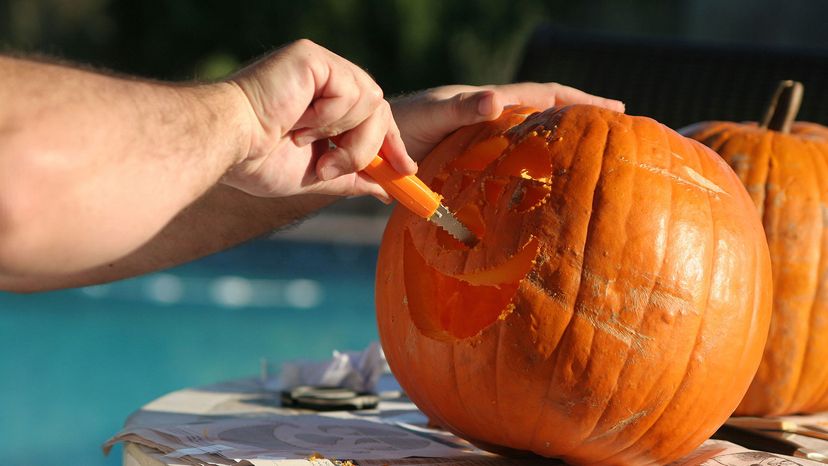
x=305, y=51
x=375, y=91
x=456, y=105
x=378, y=93
x=304, y=44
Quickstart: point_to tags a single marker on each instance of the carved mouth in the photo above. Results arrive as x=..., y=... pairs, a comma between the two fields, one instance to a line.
x=493, y=188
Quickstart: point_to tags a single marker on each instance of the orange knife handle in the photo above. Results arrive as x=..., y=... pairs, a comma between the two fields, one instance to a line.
x=410, y=191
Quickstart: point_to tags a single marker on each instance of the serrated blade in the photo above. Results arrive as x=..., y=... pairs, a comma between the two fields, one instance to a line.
x=443, y=218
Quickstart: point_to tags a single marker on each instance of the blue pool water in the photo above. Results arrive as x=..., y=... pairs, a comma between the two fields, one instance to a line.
x=76, y=362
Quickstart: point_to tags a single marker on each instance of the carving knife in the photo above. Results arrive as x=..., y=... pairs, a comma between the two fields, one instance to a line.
x=411, y=192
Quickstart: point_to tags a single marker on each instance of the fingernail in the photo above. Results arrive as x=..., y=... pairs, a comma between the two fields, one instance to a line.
x=387, y=200
x=303, y=140
x=485, y=106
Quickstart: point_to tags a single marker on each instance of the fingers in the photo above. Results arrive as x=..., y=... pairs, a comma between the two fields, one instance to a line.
x=358, y=146
x=304, y=93
x=466, y=108
x=538, y=95
x=546, y=95
x=365, y=185
x=393, y=149
x=565, y=95
x=348, y=104
x=355, y=184
x=426, y=119
x=347, y=98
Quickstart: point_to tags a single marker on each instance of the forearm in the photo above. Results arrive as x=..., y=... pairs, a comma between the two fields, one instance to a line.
x=93, y=166
x=222, y=218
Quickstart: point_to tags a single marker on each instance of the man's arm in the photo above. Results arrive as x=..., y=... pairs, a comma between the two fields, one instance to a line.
x=220, y=219
x=94, y=166
x=91, y=166
x=224, y=216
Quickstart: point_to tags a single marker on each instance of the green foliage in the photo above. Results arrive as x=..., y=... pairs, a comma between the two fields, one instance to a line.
x=405, y=44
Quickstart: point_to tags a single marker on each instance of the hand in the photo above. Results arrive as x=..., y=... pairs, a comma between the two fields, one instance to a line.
x=426, y=118
x=300, y=96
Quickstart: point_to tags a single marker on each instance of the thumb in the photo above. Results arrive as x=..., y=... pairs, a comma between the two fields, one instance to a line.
x=468, y=108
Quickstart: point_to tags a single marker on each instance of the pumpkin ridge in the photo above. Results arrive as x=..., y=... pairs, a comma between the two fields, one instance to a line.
x=525, y=318
x=721, y=138
x=794, y=402
x=755, y=298
x=659, y=406
x=532, y=280
x=682, y=443
x=634, y=345
x=819, y=398
x=749, y=334
x=797, y=403
x=590, y=229
x=767, y=145
x=436, y=407
x=600, y=156
x=747, y=162
x=477, y=425
x=591, y=437
x=504, y=432
x=749, y=330
x=778, y=392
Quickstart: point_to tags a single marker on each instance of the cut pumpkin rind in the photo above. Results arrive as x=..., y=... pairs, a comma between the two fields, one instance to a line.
x=444, y=306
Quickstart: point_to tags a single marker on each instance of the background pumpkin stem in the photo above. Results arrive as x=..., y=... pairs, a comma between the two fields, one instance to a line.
x=784, y=106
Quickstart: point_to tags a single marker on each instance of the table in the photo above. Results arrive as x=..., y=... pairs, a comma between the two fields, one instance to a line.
x=242, y=419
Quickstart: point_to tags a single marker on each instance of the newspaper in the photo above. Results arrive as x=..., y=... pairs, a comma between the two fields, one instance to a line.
x=395, y=434
x=242, y=423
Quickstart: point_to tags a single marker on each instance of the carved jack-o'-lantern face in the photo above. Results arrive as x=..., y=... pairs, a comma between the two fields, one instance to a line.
x=615, y=307
x=491, y=185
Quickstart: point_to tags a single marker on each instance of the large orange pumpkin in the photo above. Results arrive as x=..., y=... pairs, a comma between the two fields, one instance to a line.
x=784, y=165
x=615, y=308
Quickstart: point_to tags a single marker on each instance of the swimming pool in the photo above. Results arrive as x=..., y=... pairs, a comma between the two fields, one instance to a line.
x=75, y=363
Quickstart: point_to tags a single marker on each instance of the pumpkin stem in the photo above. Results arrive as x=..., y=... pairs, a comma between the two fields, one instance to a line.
x=783, y=107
